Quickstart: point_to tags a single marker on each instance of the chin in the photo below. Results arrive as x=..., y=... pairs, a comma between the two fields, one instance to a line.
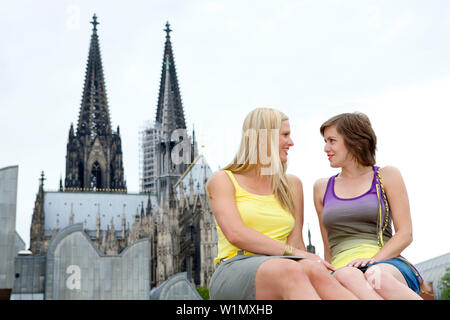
x=334, y=165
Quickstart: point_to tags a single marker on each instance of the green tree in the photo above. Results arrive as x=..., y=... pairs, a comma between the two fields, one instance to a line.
x=204, y=292
x=444, y=286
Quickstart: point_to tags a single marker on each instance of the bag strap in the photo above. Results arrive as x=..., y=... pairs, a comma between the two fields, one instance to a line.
x=383, y=221
x=383, y=215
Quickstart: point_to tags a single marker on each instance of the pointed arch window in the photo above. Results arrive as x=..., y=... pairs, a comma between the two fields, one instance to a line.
x=96, y=176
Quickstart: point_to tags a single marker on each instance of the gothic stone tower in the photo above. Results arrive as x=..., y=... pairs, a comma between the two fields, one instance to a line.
x=180, y=241
x=37, y=241
x=171, y=124
x=94, y=152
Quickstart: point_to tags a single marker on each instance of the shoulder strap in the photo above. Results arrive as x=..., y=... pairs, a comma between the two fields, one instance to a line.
x=328, y=191
x=233, y=179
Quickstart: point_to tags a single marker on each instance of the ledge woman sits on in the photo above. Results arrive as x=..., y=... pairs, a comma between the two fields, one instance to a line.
x=259, y=216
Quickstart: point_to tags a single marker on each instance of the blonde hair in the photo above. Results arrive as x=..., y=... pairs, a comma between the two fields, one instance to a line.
x=261, y=126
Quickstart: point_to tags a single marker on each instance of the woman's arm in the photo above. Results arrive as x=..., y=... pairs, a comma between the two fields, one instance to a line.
x=221, y=195
x=397, y=196
x=295, y=238
x=320, y=187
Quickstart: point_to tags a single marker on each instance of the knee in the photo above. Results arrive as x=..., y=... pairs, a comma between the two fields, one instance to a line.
x=314, y=269
x=378, y=278
x=347, y=274
x=294, y=273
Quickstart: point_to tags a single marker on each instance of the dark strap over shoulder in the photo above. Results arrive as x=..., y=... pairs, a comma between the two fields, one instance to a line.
x=383, y=207
x=383, y=221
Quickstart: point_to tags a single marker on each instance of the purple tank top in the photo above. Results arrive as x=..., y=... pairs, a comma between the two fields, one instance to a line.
x=352, y=221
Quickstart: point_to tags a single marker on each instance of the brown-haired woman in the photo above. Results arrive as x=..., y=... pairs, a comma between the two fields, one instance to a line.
x=259, y=215
x=355, y=210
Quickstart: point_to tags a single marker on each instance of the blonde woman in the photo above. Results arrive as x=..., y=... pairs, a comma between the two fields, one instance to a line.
x=259, y=216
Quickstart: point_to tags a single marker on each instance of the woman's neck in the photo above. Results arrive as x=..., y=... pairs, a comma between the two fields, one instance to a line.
x=255, y=174
x=354, y=170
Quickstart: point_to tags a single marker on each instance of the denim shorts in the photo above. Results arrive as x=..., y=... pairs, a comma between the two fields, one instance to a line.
x=408, y=273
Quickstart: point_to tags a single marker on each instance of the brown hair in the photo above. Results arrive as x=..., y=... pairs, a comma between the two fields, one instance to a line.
x=359, y=137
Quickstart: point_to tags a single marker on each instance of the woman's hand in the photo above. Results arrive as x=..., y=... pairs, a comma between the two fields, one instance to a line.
x=328, y=265
x=314, y=257
x=361, y=262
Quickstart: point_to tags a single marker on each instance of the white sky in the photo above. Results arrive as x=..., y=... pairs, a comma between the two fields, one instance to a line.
x=310, y=59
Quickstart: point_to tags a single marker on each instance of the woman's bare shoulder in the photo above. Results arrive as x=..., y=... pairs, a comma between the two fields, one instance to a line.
x=390, y=175
x=389, y=170
x=219, y=180
x=218, y=176
x=321, y=183
x=294, y=180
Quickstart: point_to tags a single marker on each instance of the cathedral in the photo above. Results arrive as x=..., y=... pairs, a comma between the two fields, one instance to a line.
x=95, y=227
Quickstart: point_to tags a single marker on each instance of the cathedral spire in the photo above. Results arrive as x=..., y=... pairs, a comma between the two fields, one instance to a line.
x=169, y=112
x=191, y=189
x=94, y=113
x=71, y=132
x=167, y=30
x=42, y=179
x=94, y=153
x=124, y=221
x=142, y=211
x=98, y=222
x=310, y=247
x=149, y=207
x=37, y=225
x=169, y=117
x=95, y=23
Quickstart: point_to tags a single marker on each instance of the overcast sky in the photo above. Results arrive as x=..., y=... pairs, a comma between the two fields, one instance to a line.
x=309, y=59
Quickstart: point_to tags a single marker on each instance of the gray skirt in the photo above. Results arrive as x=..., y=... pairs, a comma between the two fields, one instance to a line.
x=234, y=279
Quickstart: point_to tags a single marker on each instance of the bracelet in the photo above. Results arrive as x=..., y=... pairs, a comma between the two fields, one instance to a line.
x=287, y=250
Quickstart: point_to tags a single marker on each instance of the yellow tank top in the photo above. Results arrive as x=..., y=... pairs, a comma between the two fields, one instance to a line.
x=260, y=212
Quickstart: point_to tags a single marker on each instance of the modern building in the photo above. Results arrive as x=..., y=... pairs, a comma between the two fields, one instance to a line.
x=8, y=204
x=433, y=270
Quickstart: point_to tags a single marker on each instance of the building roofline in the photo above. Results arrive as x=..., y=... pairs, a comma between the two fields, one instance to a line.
x=187, y=170
x=432, y=259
